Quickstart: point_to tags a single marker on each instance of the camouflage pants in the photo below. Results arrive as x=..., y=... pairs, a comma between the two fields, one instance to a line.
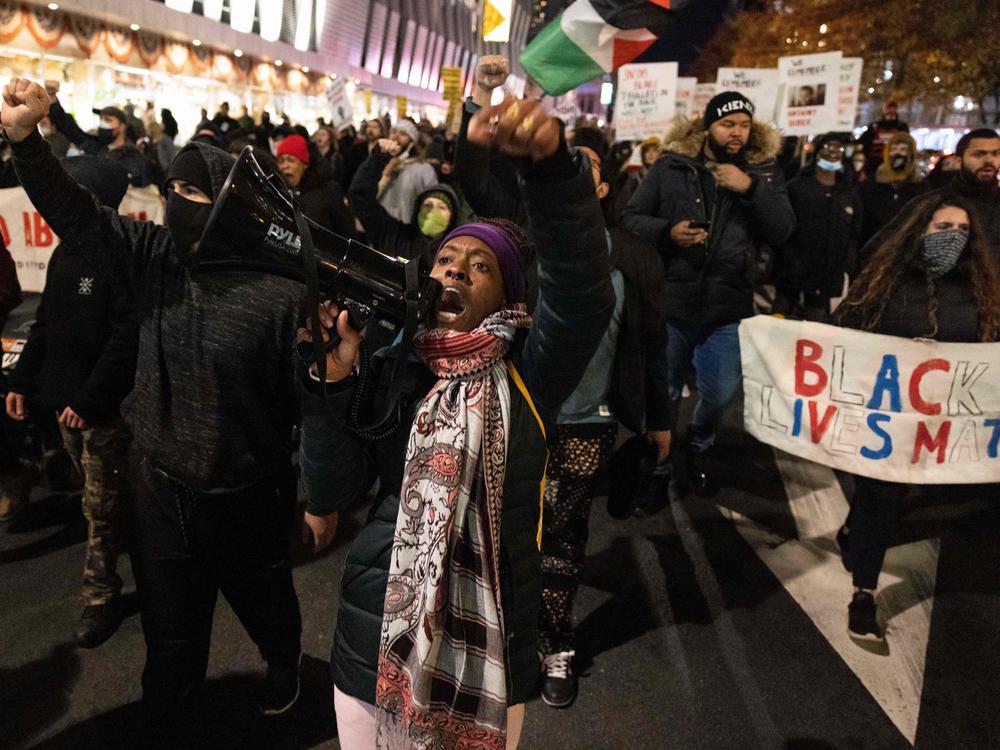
x=100, y=454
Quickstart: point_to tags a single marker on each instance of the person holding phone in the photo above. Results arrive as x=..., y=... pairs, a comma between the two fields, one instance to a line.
x=706, y=204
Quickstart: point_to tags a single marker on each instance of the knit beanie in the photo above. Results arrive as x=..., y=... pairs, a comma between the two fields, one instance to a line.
x=294, y=145
x=727, y=103
x=190, y=166
x=407, y=126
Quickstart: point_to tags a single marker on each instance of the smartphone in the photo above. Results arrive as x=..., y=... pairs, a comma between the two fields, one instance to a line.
x=706, y=225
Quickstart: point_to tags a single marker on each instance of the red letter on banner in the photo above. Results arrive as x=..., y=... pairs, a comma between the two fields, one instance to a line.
x=918, y=374
x=806, y=354
x=924, y=440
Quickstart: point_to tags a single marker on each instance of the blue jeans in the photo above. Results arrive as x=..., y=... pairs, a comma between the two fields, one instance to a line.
x=719, y=376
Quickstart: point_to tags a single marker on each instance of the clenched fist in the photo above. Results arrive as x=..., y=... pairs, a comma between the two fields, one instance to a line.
x=388, y=146
x=518, y=127
x=25, y=104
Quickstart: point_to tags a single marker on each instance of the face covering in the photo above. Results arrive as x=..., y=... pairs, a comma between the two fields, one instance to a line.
x=829, y=166
x=105, y=133
x=941, y=250
x=898, y=163
x=432, y=222
x=186, y=221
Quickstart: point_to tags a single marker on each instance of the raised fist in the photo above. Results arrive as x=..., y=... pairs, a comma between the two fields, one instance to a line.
x=388, y=146
x=491, y=71
x=52, y=89
x=518, y=127
x=25, y=104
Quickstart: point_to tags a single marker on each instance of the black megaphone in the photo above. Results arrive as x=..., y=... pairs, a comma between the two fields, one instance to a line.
x=255, y=225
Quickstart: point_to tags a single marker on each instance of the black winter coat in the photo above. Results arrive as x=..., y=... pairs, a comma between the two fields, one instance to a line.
x=140, y=170
x=711, y=285
x=323, y=201
x=10, y=289
x=385, y=232
x=216, y=364
x=882, y=201
x=81, y=349
x=827, y=231
x=906, y=313
x=575, y=305
x=640, y=398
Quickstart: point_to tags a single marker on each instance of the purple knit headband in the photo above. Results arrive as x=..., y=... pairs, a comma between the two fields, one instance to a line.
x=505, y=248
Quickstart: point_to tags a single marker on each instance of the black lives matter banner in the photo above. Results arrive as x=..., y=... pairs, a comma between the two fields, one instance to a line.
x=896, y=409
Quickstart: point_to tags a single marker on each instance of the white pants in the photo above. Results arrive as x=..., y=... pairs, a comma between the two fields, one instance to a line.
x=356, y=723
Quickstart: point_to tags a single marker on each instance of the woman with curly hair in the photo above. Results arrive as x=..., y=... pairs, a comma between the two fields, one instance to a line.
x=935, y=278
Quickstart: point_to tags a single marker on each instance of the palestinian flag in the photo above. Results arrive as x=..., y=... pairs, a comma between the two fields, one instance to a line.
x=591, y=38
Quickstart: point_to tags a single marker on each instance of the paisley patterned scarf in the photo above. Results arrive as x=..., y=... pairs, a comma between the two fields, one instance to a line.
x=441, y=672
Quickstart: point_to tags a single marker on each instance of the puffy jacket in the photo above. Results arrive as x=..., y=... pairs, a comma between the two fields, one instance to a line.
x=575, y=305
x=712, y=284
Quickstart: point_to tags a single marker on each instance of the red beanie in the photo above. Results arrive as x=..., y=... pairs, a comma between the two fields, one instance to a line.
x=296, y=146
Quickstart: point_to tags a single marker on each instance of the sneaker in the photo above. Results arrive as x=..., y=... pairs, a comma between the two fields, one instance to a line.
x=97, y=623
x=844, y=545
x=862, y=618
x=559, y=682
x=281, y=688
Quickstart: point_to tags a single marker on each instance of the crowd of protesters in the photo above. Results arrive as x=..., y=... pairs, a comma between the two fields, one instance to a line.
x=584, y=286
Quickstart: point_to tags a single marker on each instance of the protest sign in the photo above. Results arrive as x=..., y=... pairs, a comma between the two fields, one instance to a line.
x=703, y=94
x=31, y=241
x=759, y=85
x=685, y=96
x=645, y=102
x=808, y=93
x=884, y=407
x=341, y=109
x=848, y=91
x=400, y=107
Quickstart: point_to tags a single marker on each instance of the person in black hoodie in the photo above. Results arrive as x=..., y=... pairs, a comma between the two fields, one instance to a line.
x=935, y=278
x=320, y=199
x=211, y=422
x=824, y=248
x=435, y=211
x=11, y=498
x=80, y=360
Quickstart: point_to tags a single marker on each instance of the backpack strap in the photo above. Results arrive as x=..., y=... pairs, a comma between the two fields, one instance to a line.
x=516, y=377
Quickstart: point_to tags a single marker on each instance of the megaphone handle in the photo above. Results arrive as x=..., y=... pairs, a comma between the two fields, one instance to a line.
x=306, y=351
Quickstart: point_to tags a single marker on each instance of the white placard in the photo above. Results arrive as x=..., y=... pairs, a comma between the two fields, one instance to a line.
x=341, y=109
x=685, y=96
x=703, y=94
x=807, y=93
x=759, y=85
x=890, y=408
x=31, y=241
x=646, y=100
x=848, y=92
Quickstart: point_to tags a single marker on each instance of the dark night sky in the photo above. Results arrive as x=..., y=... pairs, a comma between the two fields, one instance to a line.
x=692, y=28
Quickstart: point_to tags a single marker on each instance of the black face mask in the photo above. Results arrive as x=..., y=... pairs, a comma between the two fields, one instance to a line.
x=105, y=135
x=186, y=220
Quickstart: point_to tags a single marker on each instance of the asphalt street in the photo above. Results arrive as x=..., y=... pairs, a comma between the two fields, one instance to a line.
x=717, y=623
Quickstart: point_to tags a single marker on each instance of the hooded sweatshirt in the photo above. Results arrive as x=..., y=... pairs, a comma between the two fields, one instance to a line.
x=10, y=289
x=216, y=398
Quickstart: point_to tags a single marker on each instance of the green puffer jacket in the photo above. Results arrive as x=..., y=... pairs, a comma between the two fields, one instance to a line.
x=575, y=305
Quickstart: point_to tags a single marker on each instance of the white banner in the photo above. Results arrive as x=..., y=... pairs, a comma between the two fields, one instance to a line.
x=646, y=100
x=341, y=109
x=807, y=93
x=759, y=85
x=31, y=241
x=889, y=408
x=685, y=97
x=848, y=91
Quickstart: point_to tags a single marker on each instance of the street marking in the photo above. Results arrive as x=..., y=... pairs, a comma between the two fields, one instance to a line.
x=809, y=568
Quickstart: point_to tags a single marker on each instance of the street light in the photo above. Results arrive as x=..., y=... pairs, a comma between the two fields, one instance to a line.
x=823, y=28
